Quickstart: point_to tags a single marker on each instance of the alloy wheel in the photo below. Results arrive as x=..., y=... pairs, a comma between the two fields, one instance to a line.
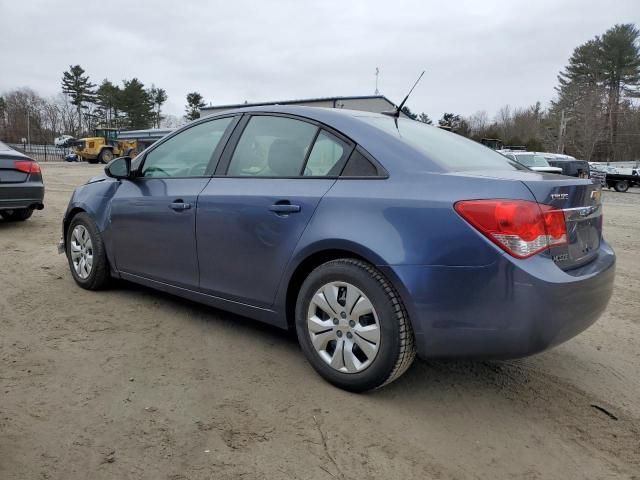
x=81, y=250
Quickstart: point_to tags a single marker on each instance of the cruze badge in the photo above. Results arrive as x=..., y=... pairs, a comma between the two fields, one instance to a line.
x=560, y=258
x=559, y=196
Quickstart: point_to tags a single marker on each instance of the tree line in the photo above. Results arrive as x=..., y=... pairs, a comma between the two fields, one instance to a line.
x=595, y=114
x=81, y=106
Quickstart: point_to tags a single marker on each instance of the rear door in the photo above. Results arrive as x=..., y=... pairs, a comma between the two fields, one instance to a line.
x=252, y=214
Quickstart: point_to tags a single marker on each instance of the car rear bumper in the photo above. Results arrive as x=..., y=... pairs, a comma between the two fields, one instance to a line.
x=508, y=309
x=21, y=195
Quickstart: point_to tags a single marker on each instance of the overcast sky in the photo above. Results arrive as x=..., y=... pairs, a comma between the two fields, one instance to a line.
x=479, y=55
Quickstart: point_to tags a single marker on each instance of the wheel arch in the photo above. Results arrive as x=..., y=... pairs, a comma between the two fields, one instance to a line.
x=83, y=208
x=67, y=220
x=311, y=257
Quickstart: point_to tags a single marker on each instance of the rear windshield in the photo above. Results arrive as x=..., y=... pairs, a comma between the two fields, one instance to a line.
x=531, y=160
x=449, y=150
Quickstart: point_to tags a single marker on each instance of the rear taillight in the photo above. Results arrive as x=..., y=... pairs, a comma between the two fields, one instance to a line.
x=519, y=227
x=26, y=166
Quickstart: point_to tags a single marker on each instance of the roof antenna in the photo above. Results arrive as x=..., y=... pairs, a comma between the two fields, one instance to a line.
x=396, y=113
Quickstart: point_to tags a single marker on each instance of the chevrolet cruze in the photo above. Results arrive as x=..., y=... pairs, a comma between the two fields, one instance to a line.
x=374, y=237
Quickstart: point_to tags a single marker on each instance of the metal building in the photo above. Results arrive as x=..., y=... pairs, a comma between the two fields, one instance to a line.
x=366, y=103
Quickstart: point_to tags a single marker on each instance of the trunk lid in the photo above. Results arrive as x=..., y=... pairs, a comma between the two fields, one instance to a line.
x=8, y=173
x=581, y=202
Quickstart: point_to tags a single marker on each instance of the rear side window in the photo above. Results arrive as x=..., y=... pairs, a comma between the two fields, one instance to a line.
x=326, y=156
x=359, y=166
x=272, y=147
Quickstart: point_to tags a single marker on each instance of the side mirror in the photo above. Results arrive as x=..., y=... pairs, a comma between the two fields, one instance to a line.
x=119, y=168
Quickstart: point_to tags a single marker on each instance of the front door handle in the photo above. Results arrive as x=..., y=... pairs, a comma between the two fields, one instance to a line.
x=284, y=208
x=179, y=206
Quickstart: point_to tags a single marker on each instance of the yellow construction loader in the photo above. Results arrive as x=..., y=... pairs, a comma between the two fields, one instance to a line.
x=104, y=146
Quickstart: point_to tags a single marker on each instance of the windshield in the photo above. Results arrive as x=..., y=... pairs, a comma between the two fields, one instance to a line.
x=449, y=150
x=531, y=160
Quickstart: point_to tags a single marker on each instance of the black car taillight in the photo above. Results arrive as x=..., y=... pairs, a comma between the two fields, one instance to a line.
x=26, y=166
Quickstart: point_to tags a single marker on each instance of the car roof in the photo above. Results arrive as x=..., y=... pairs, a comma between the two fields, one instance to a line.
x=315, y=113
x=350, y=123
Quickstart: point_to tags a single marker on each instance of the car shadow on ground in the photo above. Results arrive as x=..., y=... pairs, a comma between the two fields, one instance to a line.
x=443, y=393
x=473, y=375
x=25, y=225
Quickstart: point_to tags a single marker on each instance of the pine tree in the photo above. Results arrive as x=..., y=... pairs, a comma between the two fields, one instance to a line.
x=136, y=104
x=407, y=111
x=620, y=60
x=157, y=96
x=592, y=87
x=424, y=118
x=455, y=123
x=79, y=88
x=108, y=97
x=194, y=103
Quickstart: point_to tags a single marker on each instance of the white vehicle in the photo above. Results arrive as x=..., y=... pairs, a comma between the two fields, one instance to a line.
x=534, y=160
x=62, y=141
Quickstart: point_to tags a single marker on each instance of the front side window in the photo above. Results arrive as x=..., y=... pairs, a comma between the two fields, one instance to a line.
x=188, y=153
x=272, y=147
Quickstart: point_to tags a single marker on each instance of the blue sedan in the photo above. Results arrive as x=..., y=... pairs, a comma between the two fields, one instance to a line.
x=375, y=238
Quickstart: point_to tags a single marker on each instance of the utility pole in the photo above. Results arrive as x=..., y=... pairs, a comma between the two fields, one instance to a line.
x=377, y=73
x=28, y=126
x=563, y=127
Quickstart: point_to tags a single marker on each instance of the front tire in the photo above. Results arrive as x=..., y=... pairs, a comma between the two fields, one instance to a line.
x=18, y=215
x=352, y=326
x=86, y=254
x=105, y=156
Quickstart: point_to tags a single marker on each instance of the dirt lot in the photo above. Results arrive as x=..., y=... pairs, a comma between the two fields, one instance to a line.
x=130, y=383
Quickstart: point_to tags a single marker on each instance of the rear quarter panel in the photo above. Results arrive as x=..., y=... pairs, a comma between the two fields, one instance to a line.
x=408, y=221
x=402, y=220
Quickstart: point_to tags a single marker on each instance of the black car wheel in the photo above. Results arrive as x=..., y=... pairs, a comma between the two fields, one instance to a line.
x=86, y=254
x=18, y=215
x=352, y=326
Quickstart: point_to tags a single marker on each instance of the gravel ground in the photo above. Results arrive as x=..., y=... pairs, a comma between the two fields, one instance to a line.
x=130, y=383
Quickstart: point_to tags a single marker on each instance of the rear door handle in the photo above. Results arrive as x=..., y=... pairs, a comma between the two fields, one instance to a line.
x=284, y=208
x=179, y=206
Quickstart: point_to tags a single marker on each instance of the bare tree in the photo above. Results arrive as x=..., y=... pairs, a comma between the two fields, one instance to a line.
x=478, y=123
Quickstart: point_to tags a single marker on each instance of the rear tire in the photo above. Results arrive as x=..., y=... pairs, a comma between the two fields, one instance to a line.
x=621, y=186
x=326, y=331
x=19, y=215
x=86, y=253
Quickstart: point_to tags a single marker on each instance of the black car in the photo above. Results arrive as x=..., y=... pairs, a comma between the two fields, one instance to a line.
x=570, y=166
x=21, y=186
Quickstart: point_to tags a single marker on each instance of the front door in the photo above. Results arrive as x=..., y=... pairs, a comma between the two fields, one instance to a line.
x=153, y=217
